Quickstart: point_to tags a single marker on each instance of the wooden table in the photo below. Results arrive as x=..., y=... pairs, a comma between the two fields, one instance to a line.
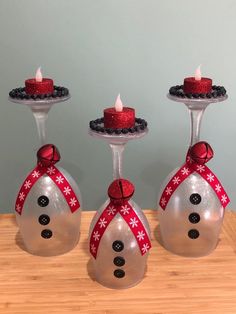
x=65, y=284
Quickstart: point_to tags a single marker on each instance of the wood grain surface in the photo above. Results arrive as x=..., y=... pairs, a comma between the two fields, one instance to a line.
x=65, y=284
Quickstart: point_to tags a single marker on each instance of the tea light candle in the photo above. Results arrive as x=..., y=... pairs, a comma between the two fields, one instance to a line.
x=197, y=84
x=39, y=85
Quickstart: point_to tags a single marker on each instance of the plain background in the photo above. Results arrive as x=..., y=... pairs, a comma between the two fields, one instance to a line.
x=99, y=48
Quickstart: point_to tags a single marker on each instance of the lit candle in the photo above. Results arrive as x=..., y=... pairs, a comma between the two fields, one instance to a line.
x=197, y=84
x=39, y=85
x=119, y=117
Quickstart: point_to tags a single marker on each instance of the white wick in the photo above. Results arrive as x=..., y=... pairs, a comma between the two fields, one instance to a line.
x=198, y=74
x=118, y=104
x=38, y=75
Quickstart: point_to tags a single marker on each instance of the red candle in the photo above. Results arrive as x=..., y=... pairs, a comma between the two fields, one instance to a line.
x=39, y=85
x=197, y=84
x=119, y=117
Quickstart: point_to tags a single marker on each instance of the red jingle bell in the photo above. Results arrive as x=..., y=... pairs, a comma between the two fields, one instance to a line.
x=201, y=152
x=121, y=189
x=48, y=155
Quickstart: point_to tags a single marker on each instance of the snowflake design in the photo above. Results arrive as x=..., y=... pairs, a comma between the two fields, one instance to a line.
x=210, y=177
x=145, y=248
x=18, y=208
x=67, y=190
x=51, y=171
x=59, y=179
x=133, y=222
x=140, y=235
x=163, y=201
x=224, y=198
x=125, y=210
x=218, y=188
x=93, y=248
x=201, y=168
x=185, y=171
x=96, y=235
x=73, y=201
x=111, y=210
x=35, y=174
x=168, y=190
x=27, y=184
x=22, y=196
x=102, y=222
x=176, y=180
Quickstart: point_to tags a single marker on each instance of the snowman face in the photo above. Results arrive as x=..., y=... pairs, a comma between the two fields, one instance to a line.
x=46, y=224
x=191, y=222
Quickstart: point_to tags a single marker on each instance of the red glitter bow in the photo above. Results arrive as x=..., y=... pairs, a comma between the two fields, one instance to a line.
x=197, y=156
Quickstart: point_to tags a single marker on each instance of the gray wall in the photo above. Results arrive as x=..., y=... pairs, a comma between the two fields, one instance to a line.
x=101, y=48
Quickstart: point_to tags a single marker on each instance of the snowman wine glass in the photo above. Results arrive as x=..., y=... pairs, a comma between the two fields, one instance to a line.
x=119, y=232
x=192, y=200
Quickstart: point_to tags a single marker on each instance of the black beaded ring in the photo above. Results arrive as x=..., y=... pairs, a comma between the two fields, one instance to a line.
x=97, y=125
x=217, y=91
x=19, y=93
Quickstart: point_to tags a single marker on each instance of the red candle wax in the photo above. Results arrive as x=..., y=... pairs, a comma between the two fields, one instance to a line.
x=193, y=86
x=34, y=87
x=119, y=119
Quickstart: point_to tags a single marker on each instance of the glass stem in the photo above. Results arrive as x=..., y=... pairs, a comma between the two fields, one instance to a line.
x=117, y=157
x=196, y=118
x=41, y=116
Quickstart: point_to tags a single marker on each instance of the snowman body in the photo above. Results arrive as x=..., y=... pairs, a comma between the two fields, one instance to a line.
x=191, y=222
x=46, y=224
x=119, y=263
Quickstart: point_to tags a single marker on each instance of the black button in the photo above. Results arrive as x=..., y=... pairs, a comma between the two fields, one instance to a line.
x=194, y=218
x=44, y=220
x=193, y=234
x=119, y=273
x=43, y=201
x=118, y=246
x=46, y=234
x=195, y=198
x=119, y=261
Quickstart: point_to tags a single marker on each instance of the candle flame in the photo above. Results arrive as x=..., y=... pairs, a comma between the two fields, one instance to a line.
x=198, y=74
x=118, y=104
x=38, y=75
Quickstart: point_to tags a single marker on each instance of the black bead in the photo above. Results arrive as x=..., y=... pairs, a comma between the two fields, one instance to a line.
x=208, y=95
x=125, y=131
x=118, y=246
x=117, y=131
x=189, y=95
x=109, y=130
x=194, y=218
x=142, y=127
x=195, y=198
x=119, y=273
x=46, y=234
x=131, y=130
x=193, y=234
x=44, y=220
x=43, y=201
x=54, y=94
x=34, y=97
x=119, y=261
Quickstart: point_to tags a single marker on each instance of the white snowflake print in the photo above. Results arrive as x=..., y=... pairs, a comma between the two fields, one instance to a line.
x=224, y=198
x=111, y=210
x=96, y=235
x=125, y=210
x=93, y=248
x=140, y=235
x=27, y=184
x=210, y=177
x=185, y=171
x=102, y=222
x=176, y=180
x=145, y=248
x=73, y=201
x=201, y=168
x=133, y=222
x=163, y=201
x=168, y=190
x=18, y=208
x=67, y=190
x=218, y=188
x=35, y=174
x=51, y=171
x=22, y=196
x=59, y=179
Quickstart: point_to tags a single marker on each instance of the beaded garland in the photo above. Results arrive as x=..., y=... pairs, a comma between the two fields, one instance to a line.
x=217, y=91
x=98, y=126
x=20, y=93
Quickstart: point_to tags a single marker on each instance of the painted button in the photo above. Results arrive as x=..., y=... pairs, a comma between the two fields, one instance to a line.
x=194, y=218
x=119, y=261
x=44, y=220
x=193, y=234
x=119, y=273
x=195, y=198
x=43, y=201
x=46, y=234
x=118, y=246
